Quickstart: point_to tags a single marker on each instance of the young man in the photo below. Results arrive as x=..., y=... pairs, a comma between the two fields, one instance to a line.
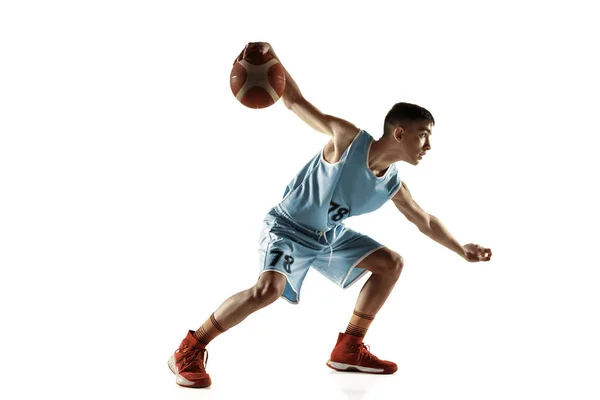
x=352, y=175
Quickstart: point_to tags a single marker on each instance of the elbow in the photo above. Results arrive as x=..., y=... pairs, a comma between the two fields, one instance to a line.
x=425, y=225
x=425, y=229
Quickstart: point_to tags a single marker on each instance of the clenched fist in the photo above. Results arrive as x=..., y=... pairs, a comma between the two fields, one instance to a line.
x=475, y=253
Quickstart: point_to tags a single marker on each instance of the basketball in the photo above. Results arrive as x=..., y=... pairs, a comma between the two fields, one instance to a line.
x=257, y=80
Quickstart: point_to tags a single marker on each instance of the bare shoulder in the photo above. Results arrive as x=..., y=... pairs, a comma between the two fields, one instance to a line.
x=343, y=129
x=343, y=134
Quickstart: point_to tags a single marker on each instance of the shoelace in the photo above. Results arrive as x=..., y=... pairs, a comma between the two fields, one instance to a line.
x=191, y=357
x=364, y=351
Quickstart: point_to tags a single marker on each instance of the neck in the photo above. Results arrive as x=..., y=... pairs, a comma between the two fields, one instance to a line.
x=379, y=159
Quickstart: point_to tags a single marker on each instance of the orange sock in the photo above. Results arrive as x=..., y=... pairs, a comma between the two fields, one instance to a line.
x=359, y=324
x=209, y=330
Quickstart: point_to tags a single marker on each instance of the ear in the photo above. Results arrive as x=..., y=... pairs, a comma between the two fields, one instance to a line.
x=398, y=133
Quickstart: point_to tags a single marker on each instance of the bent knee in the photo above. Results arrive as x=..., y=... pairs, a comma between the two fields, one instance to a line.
x=396, y=262
x=391, y=264
x=270, y=287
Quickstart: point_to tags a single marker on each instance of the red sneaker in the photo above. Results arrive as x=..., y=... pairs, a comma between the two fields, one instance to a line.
x=189, y=363
x=351, y=354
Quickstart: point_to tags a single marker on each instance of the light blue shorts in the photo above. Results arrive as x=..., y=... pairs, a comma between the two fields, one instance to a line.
x=292, y=249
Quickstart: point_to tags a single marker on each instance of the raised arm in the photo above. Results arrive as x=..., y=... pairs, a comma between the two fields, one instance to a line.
x=295, y=101
x=433, y=227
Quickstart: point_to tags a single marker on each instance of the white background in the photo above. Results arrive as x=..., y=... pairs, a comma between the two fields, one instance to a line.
x=133, y=187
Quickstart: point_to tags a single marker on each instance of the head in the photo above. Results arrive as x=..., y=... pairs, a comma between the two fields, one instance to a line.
x=409, y=126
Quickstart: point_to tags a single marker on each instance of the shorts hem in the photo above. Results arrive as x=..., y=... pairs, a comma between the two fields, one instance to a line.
x=289, y=283
x=289, y=301
x=345, y=284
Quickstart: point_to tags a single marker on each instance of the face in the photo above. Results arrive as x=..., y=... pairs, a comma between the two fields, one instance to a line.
x=415, y=140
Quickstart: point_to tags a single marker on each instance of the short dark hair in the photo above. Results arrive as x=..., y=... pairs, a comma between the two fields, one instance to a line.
x=405, y=112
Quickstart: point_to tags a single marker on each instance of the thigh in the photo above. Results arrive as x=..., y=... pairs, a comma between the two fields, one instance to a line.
x=281, y=253
x=343, y=263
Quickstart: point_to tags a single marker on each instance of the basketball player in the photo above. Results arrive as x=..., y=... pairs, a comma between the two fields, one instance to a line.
x=352, y=175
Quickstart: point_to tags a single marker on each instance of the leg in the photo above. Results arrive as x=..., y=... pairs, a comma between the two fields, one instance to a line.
x=350, y=353
x=189, y=361
x=385, y=266
x=235, y=309
x=283, y=259
x=285, y=263
x=268, y=288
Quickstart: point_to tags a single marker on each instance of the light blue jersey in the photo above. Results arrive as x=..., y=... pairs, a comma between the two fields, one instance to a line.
x=305, y=230
x=323, y=195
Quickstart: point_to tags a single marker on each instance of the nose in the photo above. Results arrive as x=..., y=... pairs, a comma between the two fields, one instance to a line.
x=427, y=145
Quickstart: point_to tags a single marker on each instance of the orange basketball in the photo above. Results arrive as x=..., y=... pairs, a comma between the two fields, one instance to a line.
x=258, y=80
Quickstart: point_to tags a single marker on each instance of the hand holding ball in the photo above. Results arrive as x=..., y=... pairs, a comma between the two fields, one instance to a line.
x=257, y=78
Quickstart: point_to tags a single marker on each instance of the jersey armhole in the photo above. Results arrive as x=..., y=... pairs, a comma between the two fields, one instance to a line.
x=344, y=154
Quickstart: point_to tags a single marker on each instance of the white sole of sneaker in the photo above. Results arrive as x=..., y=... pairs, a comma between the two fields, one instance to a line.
x=178, y=378
x=357, y=368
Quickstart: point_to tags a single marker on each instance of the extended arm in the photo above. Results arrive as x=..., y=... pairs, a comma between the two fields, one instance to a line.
x=295, y=101
x=433, y=227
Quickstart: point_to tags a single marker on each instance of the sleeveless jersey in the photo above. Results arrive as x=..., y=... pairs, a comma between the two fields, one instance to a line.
x=323, y=195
